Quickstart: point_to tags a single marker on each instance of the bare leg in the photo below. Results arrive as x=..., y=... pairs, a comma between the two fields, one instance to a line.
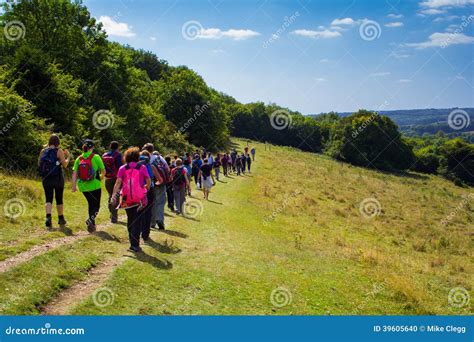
x=49, y=208
x=60, y=209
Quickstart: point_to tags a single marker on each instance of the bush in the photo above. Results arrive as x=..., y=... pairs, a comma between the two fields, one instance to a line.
x=457, y=161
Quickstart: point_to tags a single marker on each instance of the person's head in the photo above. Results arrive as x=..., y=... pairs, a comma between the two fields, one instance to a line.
x=145, y=156
x=132, y=155
x=148, y=147
x=53, y=140
x=187, y=154
x=175, y=157
x=179, y=162
x=156, y=153
x=88, y=145
x=206, y=160
x=114, y=145
x=168, y=159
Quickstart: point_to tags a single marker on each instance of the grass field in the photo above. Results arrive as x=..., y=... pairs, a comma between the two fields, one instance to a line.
x=300, y=235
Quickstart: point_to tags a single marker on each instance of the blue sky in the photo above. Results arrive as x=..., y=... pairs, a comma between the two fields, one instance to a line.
x=311, y=56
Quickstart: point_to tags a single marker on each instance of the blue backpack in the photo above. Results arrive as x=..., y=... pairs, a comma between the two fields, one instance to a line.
x=145, y=161
x=49, y=164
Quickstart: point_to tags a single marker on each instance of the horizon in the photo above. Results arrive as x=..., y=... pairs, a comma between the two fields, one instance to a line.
x=301, y=55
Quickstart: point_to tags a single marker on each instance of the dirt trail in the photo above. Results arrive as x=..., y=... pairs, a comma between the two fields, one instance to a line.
x=25, y=256
x=75, y=294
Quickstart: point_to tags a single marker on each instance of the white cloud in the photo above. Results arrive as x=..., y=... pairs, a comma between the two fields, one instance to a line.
x=394, y=24
x=337, y=28
x=324, y=60
x=446, y=18
x=114, y=28
x=153, y=38
x=395, y=16
x=217, y=51
x=405, y=80
x=317, y=34
x=432, y=11
x=343, y=21
x=215, y=33
x=452, y=28
x=399, y=55
x=320, y=79
x=443, y=40
x=444, y=3
x=380, y=74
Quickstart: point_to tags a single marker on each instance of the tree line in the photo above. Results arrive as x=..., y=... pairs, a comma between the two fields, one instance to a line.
x=59, y=73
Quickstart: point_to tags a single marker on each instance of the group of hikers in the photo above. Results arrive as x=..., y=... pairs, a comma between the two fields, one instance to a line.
x=141, y=181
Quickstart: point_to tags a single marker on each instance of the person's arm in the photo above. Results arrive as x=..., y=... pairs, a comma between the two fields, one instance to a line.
x=61, y=155
x=115, y=192
x=156, y=174
x=148, y=183
x=186, y=177
x=212, y=177
x=40, y=155
x=74, y=181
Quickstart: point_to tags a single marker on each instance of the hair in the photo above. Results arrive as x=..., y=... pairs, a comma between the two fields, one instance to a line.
x=86, y=148
x=156, y=153
x=114, y=145
x=179, y=162
x=146, y=154
x=132, y=155
x=168, y=159
x=148, y=147
x=206, y=160
x=53, y=140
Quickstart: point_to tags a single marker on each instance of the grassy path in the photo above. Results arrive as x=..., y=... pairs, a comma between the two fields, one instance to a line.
x=268, y=244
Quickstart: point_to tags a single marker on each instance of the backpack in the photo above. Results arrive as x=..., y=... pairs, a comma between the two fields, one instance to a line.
x=110, y=164
x=48, y=165
x=149, y=168
x=85, y=170
x=178, y=177
x=162, y=171
x=133, y=192
x=195, y=167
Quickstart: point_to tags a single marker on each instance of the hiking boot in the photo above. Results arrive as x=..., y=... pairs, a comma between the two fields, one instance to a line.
x=49, y=222
x=161, y=225
x=135, y=249
x=62, y=222
x=113, y=220
x=91, y=228
x=146, y=238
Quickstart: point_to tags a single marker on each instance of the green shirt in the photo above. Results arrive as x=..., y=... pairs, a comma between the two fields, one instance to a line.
x=97, y=165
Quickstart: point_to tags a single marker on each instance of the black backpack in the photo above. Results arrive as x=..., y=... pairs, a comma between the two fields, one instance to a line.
x=178, y=178
x=48, y=165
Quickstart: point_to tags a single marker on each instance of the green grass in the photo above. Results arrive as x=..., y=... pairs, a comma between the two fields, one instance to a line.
x=317, y=248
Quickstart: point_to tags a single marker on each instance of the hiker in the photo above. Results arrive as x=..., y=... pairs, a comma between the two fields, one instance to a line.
x=159, y=201
x=155, y=155
x=87, y=177
x=180, y=182
x=145, y=157
x=243, y=161
x=233, y=156
x=210, y=159
x=224, y=162
x=229, y=163
x=187, y=166
x=196, y=166
x=169, y=186
x=207, y=178
x=249, y=161
x=238, y=165
x=112, y=162
x=52, y=160
x=136, y=181
x=252, y=152
x=217, y=165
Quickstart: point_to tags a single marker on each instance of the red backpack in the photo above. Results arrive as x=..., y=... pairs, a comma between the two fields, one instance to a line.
x=110, y=164
x=86, y=171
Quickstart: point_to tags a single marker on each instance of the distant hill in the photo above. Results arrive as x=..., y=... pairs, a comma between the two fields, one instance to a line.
x=421, y=121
